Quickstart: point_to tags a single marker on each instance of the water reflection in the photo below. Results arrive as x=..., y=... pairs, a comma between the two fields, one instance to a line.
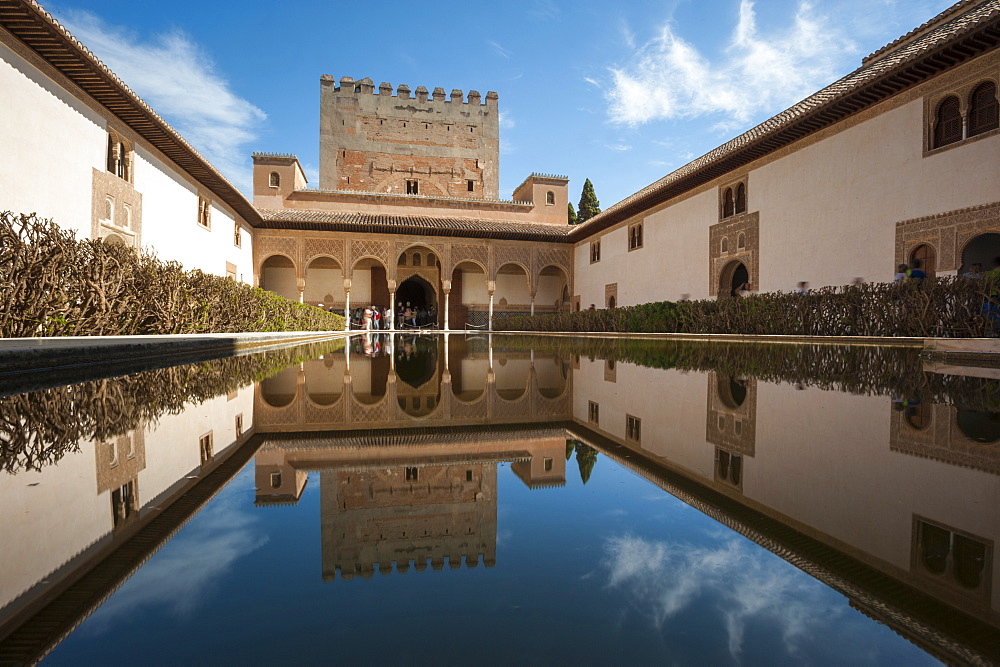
x=887, y=494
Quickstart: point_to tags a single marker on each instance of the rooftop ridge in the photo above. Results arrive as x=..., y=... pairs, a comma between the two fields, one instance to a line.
x=348, y=86
x=372, y=193
x=286, y=156
x=924, y=27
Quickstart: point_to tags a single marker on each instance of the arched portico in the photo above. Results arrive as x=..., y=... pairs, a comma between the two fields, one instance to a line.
x=277, y=274
x=982, y=250
x=324, y=283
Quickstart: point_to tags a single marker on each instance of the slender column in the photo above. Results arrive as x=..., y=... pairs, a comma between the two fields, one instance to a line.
x=532, y=303
x=491, y=287
x=347, y=312
x=347, y=304
x=392, y=310
x=446, y=288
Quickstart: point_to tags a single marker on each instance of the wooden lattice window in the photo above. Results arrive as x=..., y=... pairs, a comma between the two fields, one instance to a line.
x=948, y=123
x=741, y=198
x=984, y=112
x=728, y=203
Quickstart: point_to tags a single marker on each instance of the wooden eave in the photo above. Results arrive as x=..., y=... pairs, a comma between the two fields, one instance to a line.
x=961, y=48
x=400, y=225
x=38, y=31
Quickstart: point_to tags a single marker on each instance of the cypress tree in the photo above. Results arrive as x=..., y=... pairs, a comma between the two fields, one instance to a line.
x=589, y=206
x=572, y=214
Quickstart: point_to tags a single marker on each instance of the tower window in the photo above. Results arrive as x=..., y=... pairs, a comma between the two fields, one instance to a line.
x=412, y=474
x=550, y=198
x=275, y=180
x=471, y=185
x=411, y=188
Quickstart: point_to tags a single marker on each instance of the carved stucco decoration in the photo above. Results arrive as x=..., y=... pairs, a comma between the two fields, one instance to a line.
x=730, y=229
x=475, y=253
x=266, y=246
x=947, y=233
x=324, y=247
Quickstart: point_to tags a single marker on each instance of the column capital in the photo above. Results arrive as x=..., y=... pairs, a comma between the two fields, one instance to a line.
x=347, y=284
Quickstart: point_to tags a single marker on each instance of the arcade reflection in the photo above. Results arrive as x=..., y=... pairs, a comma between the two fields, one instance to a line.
x=891, y=502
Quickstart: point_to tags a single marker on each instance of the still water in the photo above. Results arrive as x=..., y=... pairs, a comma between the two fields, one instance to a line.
x=505, y=499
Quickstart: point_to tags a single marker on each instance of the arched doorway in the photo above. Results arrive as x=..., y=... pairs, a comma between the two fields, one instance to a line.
x=420, y=296
x=982, y=250
x=469, y=298
x=979, y=425
x=369, y=284
x=733, y=276
x=513, y=289
x=732, y=392
x=324, y=283
x=277, y=274
x=928, y=258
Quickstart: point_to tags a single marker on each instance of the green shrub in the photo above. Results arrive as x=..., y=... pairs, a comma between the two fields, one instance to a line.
x=950, y=307
x=53, y=284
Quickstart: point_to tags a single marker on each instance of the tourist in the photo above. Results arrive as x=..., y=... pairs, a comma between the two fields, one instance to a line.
x=802, y=288
x=858, y=282
x=376, y=318
x=685, y=297
x=900, y=273
x=975, y=271
x=915, y=273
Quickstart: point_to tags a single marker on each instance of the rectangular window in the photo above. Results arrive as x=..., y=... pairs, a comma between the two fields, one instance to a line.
x=633, y=429
x=411, y=188
x=471, y=185
x=547, y=464
x=411, y=474
x=595, y=251
x=468, y=475
x=593, y=413
x=635, y=236
x=206, y=448
x=204, y=212
x=237, y=236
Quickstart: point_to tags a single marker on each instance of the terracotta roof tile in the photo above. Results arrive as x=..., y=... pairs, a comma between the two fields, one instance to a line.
x=400, y=224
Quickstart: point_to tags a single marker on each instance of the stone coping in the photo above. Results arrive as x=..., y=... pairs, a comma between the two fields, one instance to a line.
x=21, y=355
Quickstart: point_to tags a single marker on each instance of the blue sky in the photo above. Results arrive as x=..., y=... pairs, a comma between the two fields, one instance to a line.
x=621, y=93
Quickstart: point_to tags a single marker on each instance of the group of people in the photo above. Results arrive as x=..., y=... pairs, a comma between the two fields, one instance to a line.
x=912, y=273
x=408, y=316
x=370, y=318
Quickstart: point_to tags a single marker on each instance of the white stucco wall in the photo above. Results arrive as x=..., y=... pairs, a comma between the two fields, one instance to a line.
x=53, y=140
x=50, y=141
x=827, y=211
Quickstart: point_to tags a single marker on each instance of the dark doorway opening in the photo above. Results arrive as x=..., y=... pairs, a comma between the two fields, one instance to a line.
x=418, y=294
x=981, y=250
x=733, y=277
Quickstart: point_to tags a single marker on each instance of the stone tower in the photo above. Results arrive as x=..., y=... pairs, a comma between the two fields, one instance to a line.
x=428, y=144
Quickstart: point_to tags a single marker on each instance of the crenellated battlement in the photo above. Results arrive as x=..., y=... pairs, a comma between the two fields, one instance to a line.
x=349, y=86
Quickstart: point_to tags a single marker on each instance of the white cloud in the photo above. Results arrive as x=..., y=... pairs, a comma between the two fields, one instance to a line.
x=178, y=79
x=743, y=585
x=591, y=81
x=669, y=78
x=618, y=147
x=500, y=51
x=188, y=569
x=506, y=120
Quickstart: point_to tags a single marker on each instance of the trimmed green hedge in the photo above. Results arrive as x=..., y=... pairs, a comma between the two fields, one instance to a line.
x=52, y=284
x=951, y=307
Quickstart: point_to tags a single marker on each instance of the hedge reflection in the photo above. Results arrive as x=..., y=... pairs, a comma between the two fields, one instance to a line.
x=39, y=428
x=857, y=369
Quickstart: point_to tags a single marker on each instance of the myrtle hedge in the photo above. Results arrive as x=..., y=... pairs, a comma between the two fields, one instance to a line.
x=53, y=284
x=39, y=428
x=859, y=369
x=957, y=307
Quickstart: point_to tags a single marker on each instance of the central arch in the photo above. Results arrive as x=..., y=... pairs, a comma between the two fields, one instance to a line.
x=980, y=250
x=418, y=294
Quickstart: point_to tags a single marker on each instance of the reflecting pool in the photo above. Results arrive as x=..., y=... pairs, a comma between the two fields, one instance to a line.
x=457, y=499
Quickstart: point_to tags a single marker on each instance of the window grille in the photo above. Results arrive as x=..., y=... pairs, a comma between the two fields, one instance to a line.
x=984, y=112
x=948, y=125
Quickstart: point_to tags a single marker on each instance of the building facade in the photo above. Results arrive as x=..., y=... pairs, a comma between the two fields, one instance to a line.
x=898, y=160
